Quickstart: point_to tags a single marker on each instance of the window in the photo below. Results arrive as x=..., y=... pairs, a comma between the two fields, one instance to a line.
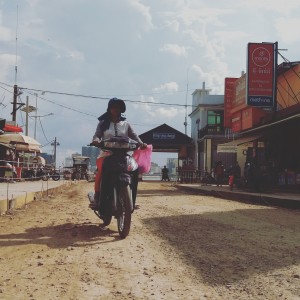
x=214, y=117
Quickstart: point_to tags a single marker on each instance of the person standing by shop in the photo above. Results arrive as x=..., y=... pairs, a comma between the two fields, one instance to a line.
x=219, y=173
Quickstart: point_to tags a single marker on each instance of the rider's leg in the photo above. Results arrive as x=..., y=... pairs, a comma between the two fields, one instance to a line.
x=98, y=177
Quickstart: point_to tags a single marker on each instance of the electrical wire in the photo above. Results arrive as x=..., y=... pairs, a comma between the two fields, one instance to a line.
x=43, y=130
x=64, y=106
x=104, y=98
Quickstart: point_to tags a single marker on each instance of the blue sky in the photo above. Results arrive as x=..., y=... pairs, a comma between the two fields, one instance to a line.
x=138, y=50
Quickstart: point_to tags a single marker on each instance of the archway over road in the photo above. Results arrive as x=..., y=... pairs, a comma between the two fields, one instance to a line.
x=164, y=138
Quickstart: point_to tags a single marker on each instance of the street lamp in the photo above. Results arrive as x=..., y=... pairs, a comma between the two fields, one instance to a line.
x=29, y=109
x=50, y=114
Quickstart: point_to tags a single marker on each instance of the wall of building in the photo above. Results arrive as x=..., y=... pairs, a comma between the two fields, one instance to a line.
x=288, y=86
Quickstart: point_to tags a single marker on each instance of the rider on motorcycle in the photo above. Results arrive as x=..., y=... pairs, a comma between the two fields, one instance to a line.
x=111, y=123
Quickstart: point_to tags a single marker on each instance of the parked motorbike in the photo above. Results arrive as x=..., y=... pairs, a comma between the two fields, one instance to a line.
x=45, y=174
x=118, y=185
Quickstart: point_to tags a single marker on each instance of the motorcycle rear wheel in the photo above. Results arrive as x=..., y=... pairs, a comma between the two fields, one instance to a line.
x=124, y=211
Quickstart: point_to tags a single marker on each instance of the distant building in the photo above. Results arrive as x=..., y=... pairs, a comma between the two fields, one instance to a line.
x=155, y=168
x=48, y=158
x=68, y=162
x=172, y=165
x=92, y=153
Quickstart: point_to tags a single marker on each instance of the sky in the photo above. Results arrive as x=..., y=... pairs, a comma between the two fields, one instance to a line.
x=74, y=55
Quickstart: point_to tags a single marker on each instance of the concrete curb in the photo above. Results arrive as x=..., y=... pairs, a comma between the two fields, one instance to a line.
x=253, y=198
x=8, y=205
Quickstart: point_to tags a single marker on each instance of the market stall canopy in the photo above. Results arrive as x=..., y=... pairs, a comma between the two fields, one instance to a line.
x=21, y=142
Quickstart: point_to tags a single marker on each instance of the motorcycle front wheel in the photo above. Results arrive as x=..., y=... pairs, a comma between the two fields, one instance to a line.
x=124, y=208
x=55, y=176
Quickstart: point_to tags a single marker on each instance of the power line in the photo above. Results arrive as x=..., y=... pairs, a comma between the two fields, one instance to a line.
x=104, y=98
x=43, y=130
x=64, y=106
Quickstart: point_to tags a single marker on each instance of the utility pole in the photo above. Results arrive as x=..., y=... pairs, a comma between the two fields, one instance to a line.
x=27, y=102
x=55, y=144
x=36, y=95
x=15, y=102
x=27, y=109
x=55, y=153
x=14, y=112
x=186, y=96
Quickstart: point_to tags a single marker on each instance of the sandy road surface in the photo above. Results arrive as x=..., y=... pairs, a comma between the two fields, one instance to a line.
x=180, y=247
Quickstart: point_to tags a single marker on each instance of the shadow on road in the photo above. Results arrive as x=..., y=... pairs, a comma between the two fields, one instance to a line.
x=61, y=236
x=224, y=247
x=161, y=191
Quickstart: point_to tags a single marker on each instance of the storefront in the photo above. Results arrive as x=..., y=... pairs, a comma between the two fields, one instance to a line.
x=274, y=150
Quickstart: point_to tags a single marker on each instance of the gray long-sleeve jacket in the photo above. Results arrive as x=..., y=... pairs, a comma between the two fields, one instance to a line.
x=122, y=128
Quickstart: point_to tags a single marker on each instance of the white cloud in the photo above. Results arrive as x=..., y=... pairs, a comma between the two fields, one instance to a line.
x=190, y=15
x=6, y=34
x=168, y=87
x=173, y=25
x=174, y=49
x=285, y=30
x=7, y=63
x=230, y=36
x=214, y=78
x=164, y=113
x=76, y=55
x=144, y=11
x=279, y=6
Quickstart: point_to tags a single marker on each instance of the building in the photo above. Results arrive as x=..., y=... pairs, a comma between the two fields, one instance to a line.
x=207, y=129
x=92, y=153
x=268, y=137
x=49, y=158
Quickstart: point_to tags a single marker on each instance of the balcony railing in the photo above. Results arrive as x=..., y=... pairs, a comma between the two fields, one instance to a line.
x=211, y=130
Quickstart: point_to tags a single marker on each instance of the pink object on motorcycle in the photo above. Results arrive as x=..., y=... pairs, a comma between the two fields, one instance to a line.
x=143, y=158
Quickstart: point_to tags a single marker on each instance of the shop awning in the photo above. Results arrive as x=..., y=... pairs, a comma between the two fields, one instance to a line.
x=232, y=146
x=12, y=128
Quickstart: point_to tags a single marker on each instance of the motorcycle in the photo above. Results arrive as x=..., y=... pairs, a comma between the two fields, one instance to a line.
x=119, y=182
x=47, y=174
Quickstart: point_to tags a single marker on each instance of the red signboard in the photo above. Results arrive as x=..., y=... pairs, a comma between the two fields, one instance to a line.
x=239, y=100
x=229, y=93
x=260, y=74
x=236, y=122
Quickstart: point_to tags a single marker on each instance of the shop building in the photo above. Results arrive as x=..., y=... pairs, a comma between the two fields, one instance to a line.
x=268, y=138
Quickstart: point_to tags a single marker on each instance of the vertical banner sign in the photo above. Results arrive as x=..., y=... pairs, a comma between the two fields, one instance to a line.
x=228, y=100
x=260, y=74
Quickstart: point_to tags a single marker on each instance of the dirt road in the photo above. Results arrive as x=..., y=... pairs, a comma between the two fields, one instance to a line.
x=180, y=247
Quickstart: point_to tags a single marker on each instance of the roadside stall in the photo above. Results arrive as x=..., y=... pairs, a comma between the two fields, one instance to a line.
x=22, y=150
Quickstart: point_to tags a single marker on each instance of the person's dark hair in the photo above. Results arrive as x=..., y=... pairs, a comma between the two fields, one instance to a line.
x=117, y=101
x=106, y=117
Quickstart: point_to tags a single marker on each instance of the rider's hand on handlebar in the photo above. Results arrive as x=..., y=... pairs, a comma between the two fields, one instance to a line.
x=143, y=146
x=95, y=142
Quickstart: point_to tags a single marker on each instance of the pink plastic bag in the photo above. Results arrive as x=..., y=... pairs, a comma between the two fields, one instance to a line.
x=143, y=158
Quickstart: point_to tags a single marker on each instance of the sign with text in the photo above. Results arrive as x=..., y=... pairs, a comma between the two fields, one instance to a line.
x=163, y=136
x=260, y=74
x=228, y=99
